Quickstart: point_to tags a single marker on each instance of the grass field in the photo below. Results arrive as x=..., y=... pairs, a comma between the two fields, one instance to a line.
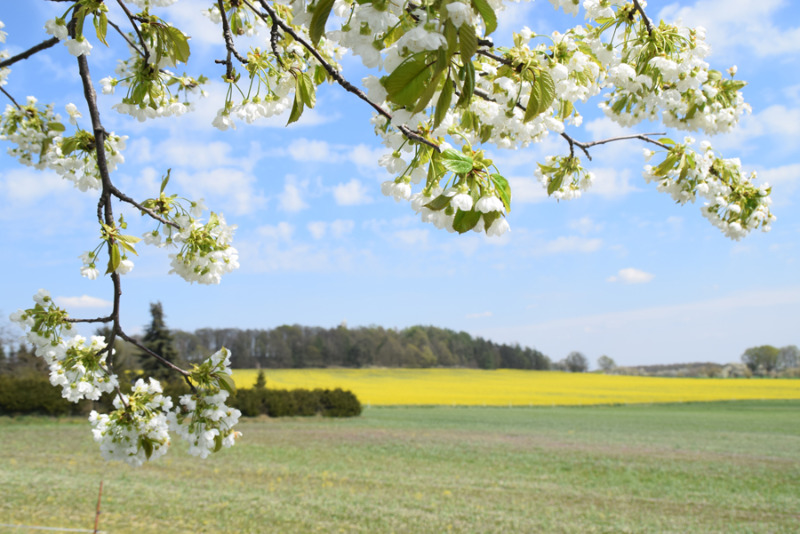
x=706, y=467
x=504, y=387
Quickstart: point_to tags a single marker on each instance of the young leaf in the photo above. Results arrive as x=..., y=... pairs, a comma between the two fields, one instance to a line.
x=438, y=203
x=443, y=104
x=464, y=221
x=456, y=162
x=226, y=383
x=114, y=260
x=180, y=45
x=504, y=189
x=307, y=91
x=487, y=14
x=468, y=41
x=467, y=74
x=322, y=10
x=555, y=184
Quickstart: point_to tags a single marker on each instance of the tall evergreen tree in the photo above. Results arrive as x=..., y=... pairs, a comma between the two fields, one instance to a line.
x=158, y=339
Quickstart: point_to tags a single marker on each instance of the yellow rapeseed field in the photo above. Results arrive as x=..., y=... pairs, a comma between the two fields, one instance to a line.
x=504, y=387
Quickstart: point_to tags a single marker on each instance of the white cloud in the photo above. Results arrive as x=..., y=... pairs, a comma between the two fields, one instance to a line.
x=585, y=225
x=229, y=187
x=351, y=193
x=611, y=182
x=311, y=150
x=28, y=185
x=317, y=229
x=84, y=301
x=412, y=236
x=739, y=24
x=341, y=227
x=569, y=244
x=282, y=231
x=291, y=199
x=631, y=276
x=526, y=190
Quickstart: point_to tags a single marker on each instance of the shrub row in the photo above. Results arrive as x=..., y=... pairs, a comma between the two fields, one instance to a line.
x=33, y=394
x=297, y=402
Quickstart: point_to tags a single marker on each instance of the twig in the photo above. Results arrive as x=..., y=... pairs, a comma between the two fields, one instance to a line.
x=158, y=357
x=44, y=45
x=10, y=98
x=125, y=198
x=97, y=511
x=127, y=39
x=97, y=320
x=226, y=34
x=132, y=19
x=638, y=7
x=586, y=146
x=347, y=86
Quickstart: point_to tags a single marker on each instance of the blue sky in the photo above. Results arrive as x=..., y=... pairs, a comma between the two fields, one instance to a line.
x=622, y=271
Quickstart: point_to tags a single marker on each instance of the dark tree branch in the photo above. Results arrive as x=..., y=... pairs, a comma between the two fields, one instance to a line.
x=127, y=39
x=638, y=7
x=226, y=34
x=44, y=45
x=347, y=86
x=149, y=352
x=125, y=198
x=132, y=19
x=10, y=98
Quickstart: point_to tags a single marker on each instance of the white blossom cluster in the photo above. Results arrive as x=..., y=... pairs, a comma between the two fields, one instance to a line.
x=138, y=429
x=734, y=204
x=78, y=367
x=58, y=28
x=40, y=143
x=5, y=71
x=571, y=179
x=206, y=253
x=202, y=418
x=158, y=100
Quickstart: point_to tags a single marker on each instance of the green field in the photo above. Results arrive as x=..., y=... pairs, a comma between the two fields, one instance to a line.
x=710, y=467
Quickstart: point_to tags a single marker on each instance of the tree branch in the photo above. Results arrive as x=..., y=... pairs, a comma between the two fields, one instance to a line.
x=125, y=198
x=586, y=146
x=346, y=85
x=10, y=98
x=44, y=45
x=127, y=40
x=131, y=18
x=638, y=7
x=226, y=34
x=149, y=352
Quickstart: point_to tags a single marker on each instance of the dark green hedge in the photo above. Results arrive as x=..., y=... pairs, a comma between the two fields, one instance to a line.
x=34, y=395
x=296, y=402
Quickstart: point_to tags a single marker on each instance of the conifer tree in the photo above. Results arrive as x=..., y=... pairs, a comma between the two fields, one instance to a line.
x=158, y=339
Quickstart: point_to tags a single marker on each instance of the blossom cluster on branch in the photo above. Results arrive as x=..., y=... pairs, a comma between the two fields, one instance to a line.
x=441, y=93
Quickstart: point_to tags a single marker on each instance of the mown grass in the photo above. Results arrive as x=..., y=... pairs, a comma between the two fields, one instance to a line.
x=504, y=387
x=710, y=467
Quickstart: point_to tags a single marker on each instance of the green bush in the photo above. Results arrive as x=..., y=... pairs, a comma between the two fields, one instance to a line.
x=33, y=394
x=296, y=402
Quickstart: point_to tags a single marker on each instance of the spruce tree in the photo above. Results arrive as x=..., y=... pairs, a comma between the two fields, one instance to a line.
x=158, y=339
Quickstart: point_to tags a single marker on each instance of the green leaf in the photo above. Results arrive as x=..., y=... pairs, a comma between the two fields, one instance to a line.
x=443, y=104
x=468, y=41
x=180, y=44
x=147, y=445
x=217, y=443
x=55, y=126
x=438, y=203
x=307, y=91
x=427, y=94
x=405, y=85
x=464, y=221
x=113, y=261
x=101, y=27
x=165, y=181
x=456, y=162
x=504, y=189
x=543, y=93
x=487, y=14
x=322, y=10
x=226, y=383
x=467, y=74
x=666, y=141
x=297, y=108
x=555, y=184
